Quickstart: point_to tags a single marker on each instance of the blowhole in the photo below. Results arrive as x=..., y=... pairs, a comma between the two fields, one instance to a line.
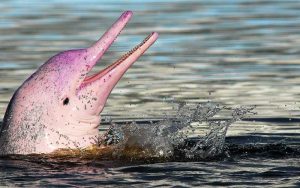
x=66, y=101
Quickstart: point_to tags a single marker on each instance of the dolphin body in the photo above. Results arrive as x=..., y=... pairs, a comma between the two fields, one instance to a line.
x=59, y=105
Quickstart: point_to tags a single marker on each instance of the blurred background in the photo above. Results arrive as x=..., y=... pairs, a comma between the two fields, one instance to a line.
x=233, y=52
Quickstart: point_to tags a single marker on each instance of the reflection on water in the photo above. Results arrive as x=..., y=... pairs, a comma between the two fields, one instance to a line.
x=238, y=173
x=233, y=53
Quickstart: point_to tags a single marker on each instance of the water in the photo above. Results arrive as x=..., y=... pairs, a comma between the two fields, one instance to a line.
x=238, y=54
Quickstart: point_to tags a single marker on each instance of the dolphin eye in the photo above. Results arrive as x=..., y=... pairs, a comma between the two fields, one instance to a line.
x=66, y=101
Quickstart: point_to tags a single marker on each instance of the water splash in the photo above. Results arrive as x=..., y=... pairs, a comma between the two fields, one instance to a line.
x=168, y=137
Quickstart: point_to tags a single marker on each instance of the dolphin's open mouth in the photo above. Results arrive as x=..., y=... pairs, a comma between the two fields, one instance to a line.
x=99, y=85
x=102, y=45
x=103, y=72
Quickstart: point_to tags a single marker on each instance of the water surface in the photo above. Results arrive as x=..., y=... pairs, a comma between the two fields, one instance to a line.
x=232, y=53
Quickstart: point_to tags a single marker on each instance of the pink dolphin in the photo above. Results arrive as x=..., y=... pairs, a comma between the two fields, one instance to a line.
x=59, y=105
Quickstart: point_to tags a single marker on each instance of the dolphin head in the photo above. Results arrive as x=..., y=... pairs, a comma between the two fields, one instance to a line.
x=59, y=105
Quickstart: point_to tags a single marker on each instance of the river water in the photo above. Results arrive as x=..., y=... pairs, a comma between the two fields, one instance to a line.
x=218, y=68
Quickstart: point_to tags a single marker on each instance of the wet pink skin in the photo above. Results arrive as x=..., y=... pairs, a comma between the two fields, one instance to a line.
x=59, y=106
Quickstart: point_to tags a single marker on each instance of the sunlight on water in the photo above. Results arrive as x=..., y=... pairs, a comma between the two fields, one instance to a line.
x=241, y=55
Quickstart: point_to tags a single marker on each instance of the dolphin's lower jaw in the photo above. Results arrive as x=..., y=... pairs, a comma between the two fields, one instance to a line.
x=58, y=106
